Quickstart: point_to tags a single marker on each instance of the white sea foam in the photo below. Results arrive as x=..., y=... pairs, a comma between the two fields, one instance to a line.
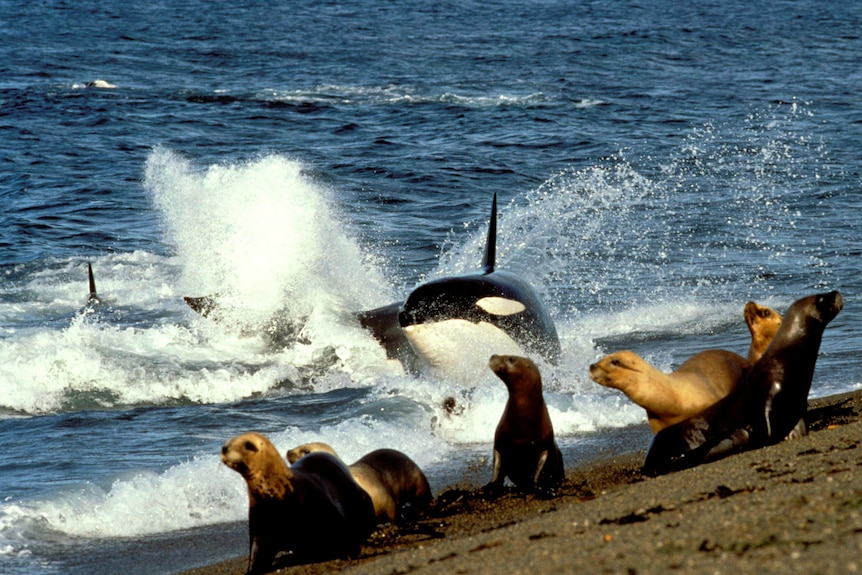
x=234, y=225
x=200, y=491
x=266, y=240
x=394, y=94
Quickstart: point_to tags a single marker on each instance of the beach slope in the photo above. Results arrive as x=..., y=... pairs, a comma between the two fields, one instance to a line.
x=791, y=508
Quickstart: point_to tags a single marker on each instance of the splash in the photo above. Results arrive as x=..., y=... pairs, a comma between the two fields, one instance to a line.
x=397, y=94
x=730, y=208
x=193, y=493
x=261, y=235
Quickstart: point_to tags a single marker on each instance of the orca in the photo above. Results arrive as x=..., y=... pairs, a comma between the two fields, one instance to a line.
x=93, y=297
x=454, y=324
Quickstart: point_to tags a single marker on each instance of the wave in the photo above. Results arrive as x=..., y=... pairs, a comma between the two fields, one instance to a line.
x=325, y=95
x=661, y=260
x=698, y=235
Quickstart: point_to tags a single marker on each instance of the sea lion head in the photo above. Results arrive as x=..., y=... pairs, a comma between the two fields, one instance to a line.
x=618, y=369
x=812, y=313
x=519, y=374
x=301, y=451
x=763, y=323
x=253, y=456
x=828, y=305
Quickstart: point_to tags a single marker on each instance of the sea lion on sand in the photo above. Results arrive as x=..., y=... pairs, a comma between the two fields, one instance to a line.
x=763, y=323
x=766, y=407
x=669, y=398
x=391, y=479
x=524, y=446
x=314, y=509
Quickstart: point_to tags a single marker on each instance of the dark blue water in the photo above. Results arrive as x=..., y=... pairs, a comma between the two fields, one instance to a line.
x=656, y=166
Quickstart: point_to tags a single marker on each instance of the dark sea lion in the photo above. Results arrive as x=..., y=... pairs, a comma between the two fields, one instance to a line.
x=392, y=480
x=669, y=398
x=524, y=446
x=765, y=408
x=314, y=509
x=763, y=323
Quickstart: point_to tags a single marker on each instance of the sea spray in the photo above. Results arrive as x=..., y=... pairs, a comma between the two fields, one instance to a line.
x=261, y=236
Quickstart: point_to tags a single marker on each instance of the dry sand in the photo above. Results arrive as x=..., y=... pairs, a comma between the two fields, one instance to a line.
x=791, y=508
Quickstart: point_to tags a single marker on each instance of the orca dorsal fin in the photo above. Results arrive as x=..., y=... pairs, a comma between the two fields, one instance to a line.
x=489, y=259
x=93, y=297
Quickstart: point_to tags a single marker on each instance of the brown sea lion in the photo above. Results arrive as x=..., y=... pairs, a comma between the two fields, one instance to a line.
x=392, y=480
x=669, y=398
x=763, y=323
x=766, y=407
x=314, y=509
x=524, y=446
x=294, y=455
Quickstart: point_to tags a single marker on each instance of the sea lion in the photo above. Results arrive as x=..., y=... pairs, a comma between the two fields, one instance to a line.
x=391, y=479
x=300, y=451
x=669, y=398
x=524, y=446
x=763, y=323
x=766, y=407
x=314, y=508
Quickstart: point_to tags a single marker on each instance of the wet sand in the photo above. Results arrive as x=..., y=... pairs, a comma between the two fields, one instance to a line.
x=790, y=508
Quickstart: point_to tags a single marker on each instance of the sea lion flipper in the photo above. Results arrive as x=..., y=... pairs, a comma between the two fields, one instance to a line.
x=497, y=477
x=799, y=430
x=258, y=561
x=543, y=457
x=494, y=488
x=737, y=441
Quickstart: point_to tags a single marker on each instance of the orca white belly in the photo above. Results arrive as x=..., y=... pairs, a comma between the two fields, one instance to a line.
x=458, y=350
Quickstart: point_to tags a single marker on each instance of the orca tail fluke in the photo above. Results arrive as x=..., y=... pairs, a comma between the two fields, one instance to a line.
x=93, y=297
x=489, y=259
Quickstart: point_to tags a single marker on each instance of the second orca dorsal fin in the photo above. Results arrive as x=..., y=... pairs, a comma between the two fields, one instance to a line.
x=489, y=259
x=93, y=297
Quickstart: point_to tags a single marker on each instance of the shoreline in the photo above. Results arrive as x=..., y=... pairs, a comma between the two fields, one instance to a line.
x=795, y=507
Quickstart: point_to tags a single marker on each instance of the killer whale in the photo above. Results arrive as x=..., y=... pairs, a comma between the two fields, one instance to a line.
x=92, y=297
x=451, y=323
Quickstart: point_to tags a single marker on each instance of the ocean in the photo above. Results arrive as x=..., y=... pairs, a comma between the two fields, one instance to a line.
x=656, y=167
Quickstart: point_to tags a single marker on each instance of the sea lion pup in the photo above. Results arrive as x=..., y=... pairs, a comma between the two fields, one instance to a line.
x=314, y=509
x=763, y=323
x=524, y=446
x=391, y=479
x=765, y=408
x=669, y=398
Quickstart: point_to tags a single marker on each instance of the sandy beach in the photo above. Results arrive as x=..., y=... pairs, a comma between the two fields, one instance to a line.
x=790, y=508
